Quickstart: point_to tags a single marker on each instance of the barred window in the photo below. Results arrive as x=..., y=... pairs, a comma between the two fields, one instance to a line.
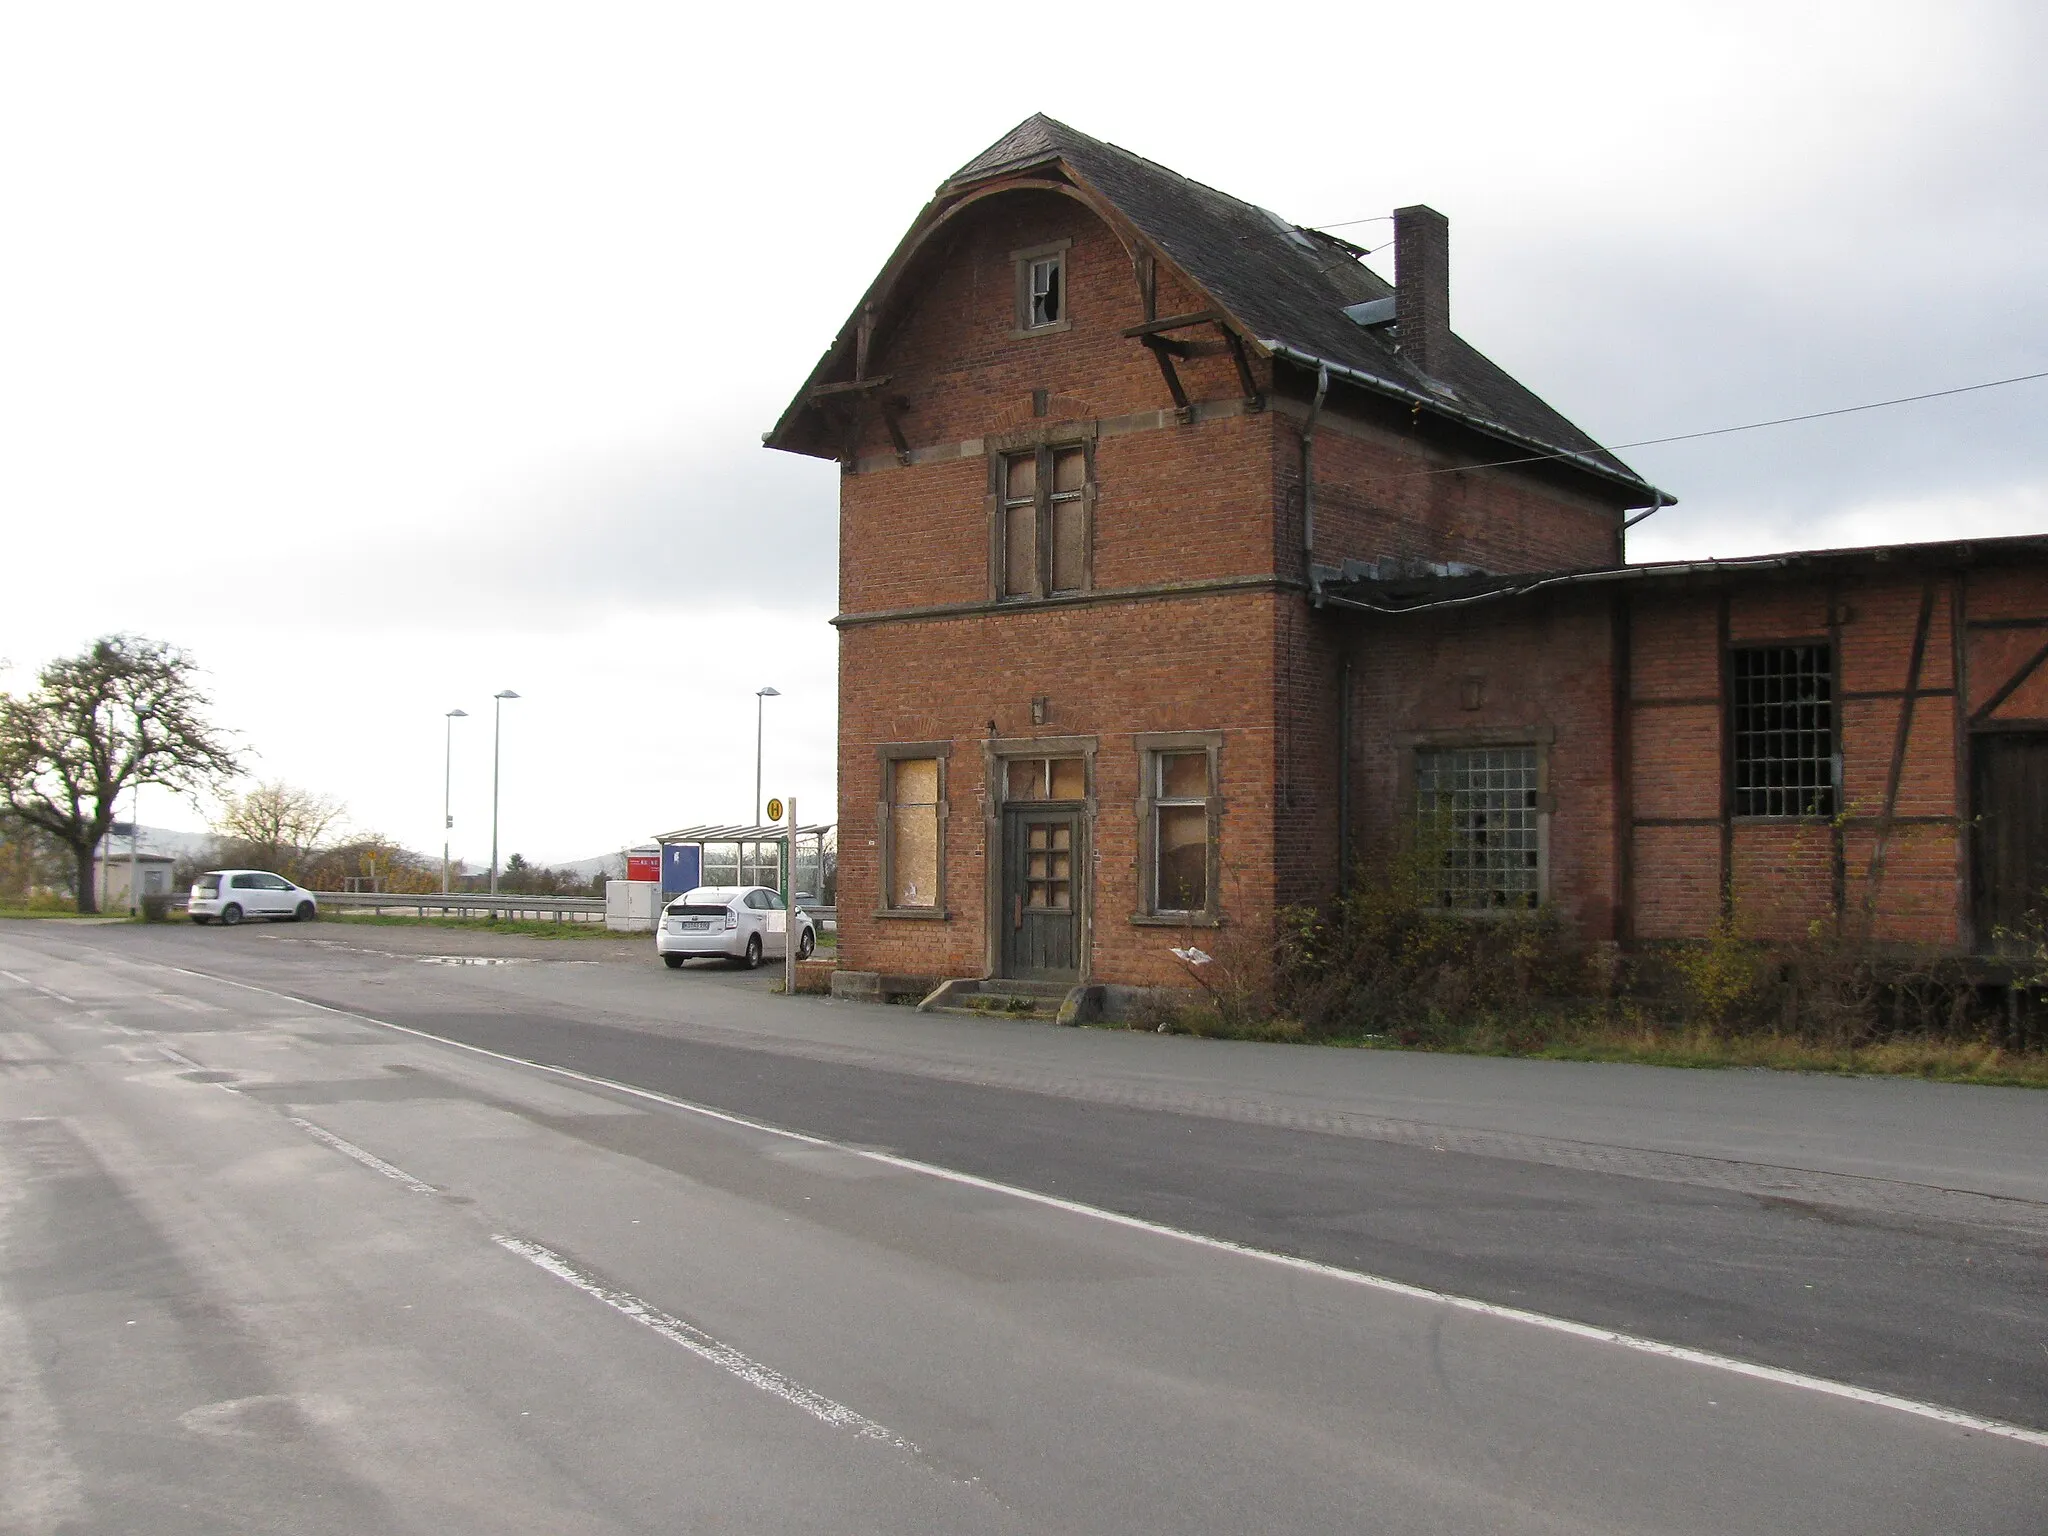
x=1483, y=803
x=1784, y=731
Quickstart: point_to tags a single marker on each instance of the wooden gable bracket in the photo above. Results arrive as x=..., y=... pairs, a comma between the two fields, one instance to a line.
x=894, y=408
x=1162, y=353
x=839, y=402
x=1254, y=400
x=1166, y=348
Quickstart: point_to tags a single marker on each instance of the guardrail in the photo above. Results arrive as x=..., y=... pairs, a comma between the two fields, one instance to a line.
x=560, y=909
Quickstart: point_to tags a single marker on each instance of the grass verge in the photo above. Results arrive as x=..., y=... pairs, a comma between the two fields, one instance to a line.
x=1647, y=1044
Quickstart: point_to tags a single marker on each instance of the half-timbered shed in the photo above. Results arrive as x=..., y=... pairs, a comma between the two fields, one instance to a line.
x=1184, y=561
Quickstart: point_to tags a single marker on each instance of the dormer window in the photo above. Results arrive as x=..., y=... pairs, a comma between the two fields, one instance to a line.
x=1041, y=288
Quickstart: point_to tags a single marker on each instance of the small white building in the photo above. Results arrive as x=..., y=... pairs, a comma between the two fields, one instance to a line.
x=110, y=877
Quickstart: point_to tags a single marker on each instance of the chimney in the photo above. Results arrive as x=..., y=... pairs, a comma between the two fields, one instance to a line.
x=1422, y=285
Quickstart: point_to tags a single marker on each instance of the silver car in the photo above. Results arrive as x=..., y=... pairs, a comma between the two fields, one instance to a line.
x=746, y=923
x=233, y=894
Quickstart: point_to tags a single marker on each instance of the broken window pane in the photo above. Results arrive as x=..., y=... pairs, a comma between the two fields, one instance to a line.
x=1182, y=836
x=1069, y=778
x=1784, y=731
x=1478, y=806
x=1045, y=291
x=1183, y=775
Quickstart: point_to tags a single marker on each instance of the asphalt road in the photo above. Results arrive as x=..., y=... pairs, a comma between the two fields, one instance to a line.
x=274, y=1255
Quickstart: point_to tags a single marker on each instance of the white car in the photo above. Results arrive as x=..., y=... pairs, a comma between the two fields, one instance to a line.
x=233, y=894
x=746, y=923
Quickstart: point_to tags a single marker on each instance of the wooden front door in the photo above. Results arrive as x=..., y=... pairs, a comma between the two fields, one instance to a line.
x=1041, y=913
x=2009, y=863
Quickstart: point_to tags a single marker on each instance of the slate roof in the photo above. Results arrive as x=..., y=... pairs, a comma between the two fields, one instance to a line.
x=1287, y=284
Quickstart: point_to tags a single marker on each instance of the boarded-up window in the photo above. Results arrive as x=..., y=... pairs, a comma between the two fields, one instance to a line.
x=1478, y=808
x=1020, y=525
x=914, y=832
x=1784, y=730
x=1180, y=841
x=1069, y=520
x=1045, y=504
x=1046, y=778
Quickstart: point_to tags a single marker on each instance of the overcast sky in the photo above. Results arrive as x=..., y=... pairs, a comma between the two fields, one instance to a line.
x=385, y=356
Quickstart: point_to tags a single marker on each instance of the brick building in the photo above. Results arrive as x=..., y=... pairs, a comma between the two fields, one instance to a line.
x=1184, y=560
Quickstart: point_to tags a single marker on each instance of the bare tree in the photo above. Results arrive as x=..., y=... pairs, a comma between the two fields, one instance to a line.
x=275, y=826
x=125, y=712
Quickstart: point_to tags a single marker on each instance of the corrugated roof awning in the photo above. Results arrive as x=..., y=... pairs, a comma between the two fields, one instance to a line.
x=714, y=833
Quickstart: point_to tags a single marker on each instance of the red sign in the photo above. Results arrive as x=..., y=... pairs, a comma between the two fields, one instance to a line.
x=643, y=866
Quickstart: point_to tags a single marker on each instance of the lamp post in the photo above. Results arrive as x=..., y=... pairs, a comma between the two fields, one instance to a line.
x=759, y=695
x=447, y=785
x=497, y=734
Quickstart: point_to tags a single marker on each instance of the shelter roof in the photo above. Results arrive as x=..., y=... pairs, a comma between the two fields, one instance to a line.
x=713, y=832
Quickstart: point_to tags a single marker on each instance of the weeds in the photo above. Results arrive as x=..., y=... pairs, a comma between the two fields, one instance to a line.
x=1389, y=966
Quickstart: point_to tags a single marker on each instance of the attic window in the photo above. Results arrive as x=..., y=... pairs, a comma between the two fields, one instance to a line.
x=1045, y=291
x=1041, y=288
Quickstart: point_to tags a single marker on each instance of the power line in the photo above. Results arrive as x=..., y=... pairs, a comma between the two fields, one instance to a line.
x=1748, y=426
x=1378, y=218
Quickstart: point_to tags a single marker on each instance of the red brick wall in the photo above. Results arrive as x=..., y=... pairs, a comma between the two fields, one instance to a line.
x=950, y=351
x=1543, y=668
x=1376, y=497
x=1545, y=665
x=1190, y=664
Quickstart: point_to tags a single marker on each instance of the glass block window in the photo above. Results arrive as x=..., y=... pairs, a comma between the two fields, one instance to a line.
x=1482, y=803
x=1784, y=730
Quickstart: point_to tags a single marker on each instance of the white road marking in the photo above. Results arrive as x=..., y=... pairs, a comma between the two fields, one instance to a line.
x=367, y=1159
x=13, y=976
x=703, y=1345
x=1729, y=1364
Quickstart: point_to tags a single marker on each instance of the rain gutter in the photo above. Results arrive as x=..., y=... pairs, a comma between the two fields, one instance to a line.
x=1491, y=428
x=1570, y=579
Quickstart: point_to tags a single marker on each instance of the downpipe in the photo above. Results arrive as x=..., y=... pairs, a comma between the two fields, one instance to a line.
x=1308, y=482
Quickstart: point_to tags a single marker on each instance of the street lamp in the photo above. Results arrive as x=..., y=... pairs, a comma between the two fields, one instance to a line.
x=497, y=732
x=759, y=695
x=447, y=784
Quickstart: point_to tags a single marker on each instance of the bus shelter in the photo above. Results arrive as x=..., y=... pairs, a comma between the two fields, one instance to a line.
x=722, y=855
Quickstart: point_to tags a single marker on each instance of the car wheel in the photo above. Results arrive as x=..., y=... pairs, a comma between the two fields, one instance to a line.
x=752, y=959
x=805, y=944
x=230, y=915
x=306, y=913
x=673, y=962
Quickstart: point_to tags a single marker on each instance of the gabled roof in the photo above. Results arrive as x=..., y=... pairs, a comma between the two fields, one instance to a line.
x=1286, y=287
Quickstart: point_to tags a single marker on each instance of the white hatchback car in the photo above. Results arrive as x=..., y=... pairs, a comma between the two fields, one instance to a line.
x=746, y=923
x=233, y=894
